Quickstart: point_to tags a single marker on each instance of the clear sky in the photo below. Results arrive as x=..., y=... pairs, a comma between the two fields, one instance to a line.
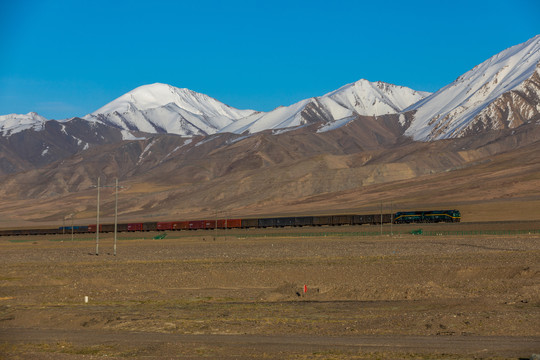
x=68, y=58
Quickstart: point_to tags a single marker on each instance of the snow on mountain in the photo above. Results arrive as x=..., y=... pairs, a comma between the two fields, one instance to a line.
x=502, y=92
x=453, y=110
x=161, y=108
x=359, y=98
x=375, y=98
x=14, y=123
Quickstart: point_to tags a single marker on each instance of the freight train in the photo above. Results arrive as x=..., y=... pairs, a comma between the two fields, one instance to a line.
x=296, y=221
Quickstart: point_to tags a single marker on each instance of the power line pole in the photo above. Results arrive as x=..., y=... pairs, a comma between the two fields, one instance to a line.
x=381, y=218
x=391, y=219
x=97, y=217
x=115, y=214
x=71, y=227
x=99, y=186
x=215, y=227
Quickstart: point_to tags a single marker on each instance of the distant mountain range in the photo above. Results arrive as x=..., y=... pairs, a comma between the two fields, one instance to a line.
x=194, y=153
x=502, y=92
x=161, y=108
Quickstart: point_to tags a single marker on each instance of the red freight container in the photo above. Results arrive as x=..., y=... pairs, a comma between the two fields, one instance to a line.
x=180, y=225
x=135, y=227
x=165, y=225
x=196, y=224
x=209, y=224
x=92, y=228
x=229, y=223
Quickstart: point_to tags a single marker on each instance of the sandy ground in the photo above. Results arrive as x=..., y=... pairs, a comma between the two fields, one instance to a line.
x=196, y=295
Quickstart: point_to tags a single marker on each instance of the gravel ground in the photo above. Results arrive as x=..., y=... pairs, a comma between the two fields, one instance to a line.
x=242, y=295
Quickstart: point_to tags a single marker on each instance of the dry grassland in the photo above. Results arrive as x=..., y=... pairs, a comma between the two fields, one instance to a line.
x=240, y=294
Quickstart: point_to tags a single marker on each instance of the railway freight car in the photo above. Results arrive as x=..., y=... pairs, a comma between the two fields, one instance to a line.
x=229, y=223
x=325, y=220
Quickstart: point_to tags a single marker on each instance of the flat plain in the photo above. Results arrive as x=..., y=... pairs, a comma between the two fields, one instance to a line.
x=459, y=291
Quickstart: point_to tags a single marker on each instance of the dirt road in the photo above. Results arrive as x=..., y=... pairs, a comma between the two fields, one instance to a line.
x=272, y=346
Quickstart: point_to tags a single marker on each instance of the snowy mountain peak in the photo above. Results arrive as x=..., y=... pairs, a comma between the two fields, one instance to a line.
x=162, y=108
x=156, y=95
x=453, y=109
x=342, y=105
x=13, y=123
x=375, y=98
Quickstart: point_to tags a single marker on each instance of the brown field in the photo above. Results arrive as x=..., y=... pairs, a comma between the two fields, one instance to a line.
x=463, y=294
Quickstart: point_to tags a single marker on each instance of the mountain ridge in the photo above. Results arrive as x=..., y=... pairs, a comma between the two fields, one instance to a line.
x=478, y=100
x=453, y=109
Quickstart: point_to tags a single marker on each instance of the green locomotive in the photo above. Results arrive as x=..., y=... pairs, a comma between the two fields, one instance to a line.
x=405, y=217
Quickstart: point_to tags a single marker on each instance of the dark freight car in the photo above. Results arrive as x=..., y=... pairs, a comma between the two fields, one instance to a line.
x=150, y=226
x=267, y=222
x=322, y=220
x=363, y=219
x=303, y=221
x=285, y=221
x=107, y=228
x=121, y=227
x=342, y=219
x=250, y=223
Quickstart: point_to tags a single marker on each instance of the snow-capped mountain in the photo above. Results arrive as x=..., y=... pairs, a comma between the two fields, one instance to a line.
x=15, y=123
x=359, y=98
x=161, y=108
x=502, y=92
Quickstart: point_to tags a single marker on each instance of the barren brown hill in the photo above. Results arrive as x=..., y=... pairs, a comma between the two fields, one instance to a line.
x=355, y=168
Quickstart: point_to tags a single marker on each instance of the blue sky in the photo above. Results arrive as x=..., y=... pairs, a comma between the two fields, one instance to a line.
x=69, y=58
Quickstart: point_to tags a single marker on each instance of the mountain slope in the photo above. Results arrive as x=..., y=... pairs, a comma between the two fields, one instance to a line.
x=463, y=107
x=48, y=141
x=300, y=172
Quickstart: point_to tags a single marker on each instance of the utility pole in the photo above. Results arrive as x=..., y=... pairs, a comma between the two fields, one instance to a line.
x=71, y=227
x=115, y=214
x=215, y=228
x=381, y=218
x=116, y=186
x=391, y=219
x=97, y=217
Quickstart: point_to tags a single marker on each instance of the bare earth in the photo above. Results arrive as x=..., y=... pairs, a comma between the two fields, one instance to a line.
x=240, y=294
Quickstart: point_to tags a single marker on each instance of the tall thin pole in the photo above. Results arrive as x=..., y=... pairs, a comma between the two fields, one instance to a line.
x=71, y=227
x=381, y=217
x=115, y=215
x=97, y=218
x=391, y=218
x=215, y=225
